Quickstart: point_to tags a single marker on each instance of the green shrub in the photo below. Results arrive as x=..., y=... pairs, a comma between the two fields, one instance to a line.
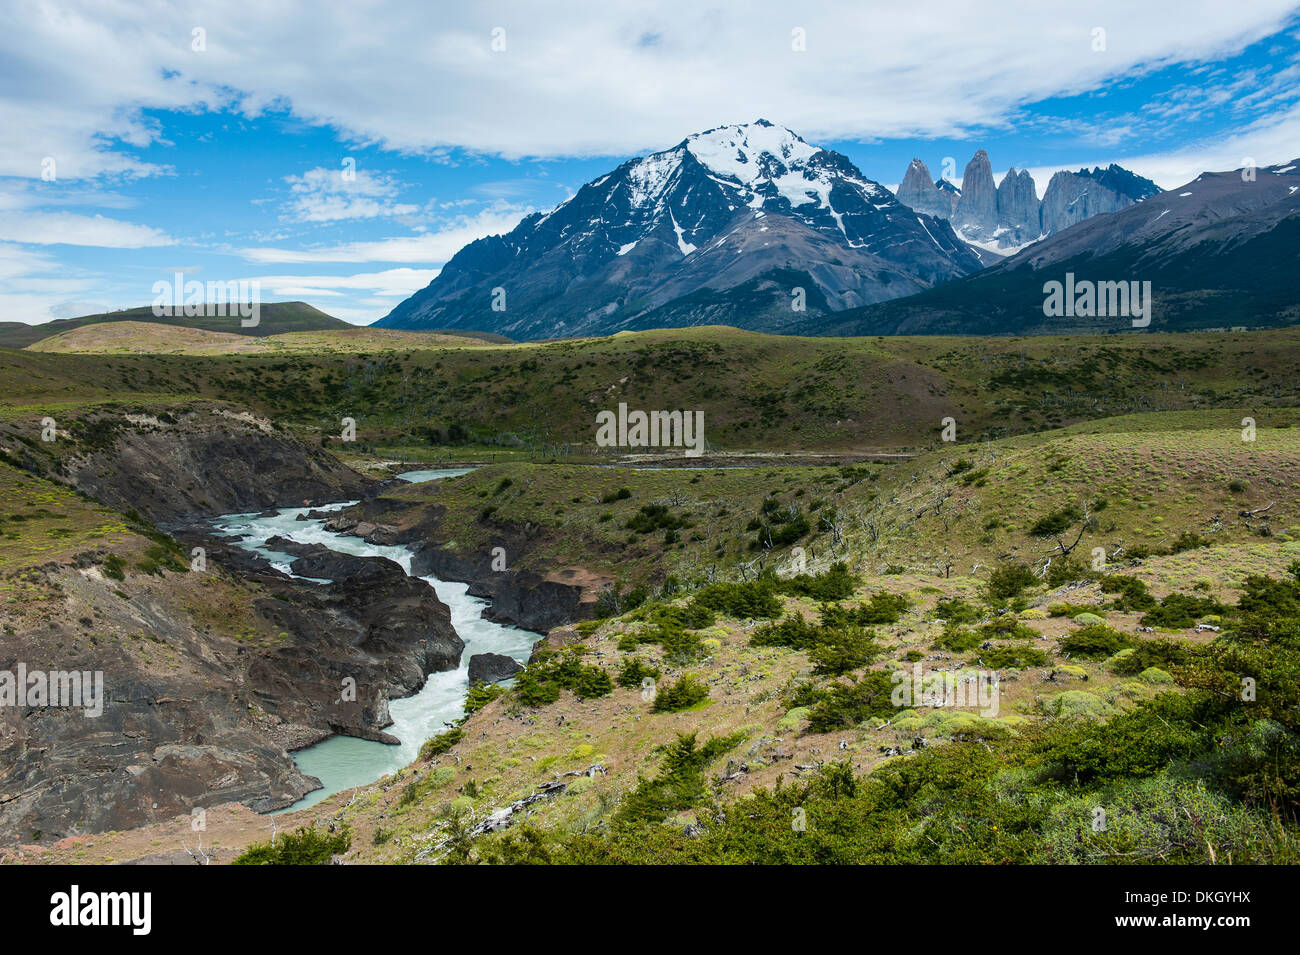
x=957, y=639
x=540, y=682
x=635, y=671
x=1007, y=627
x=654, y=517
x=1180, y=611
x=114, y=567
x=740, y=600
x=480, y=695
x=839, y=651
x=956, y=610
x=1096, y=641
x=834, y=584
x=693, y=616
x=848, y=704
x=1009, y=580
x=1056, y=522
x=679, y=785
x=304, y=846
x=1162, y=653
x=881, y=608
x=793, y=632
x=442, y=743
x=685, y=693
x=1065, y=570
x=1132, y=592
x=1018, y=655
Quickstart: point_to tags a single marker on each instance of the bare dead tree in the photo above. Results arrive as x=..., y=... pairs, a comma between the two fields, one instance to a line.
x=197, y=851
x=872, y=527
x=1085, y=521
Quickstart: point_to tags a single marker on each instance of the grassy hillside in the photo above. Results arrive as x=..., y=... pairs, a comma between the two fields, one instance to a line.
x=274, y=318
x=1150, y=483
x=1116, y=686
x=756, y=391
x=152, y=338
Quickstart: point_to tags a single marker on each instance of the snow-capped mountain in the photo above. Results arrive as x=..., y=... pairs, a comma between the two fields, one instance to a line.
x=724, y=227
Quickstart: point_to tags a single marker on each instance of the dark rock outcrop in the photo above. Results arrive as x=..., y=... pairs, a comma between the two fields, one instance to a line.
x=1072, y=197
x=528, y=599
x=492, y=667
x=534, y=599
x=200, y=462
x=209, y=680
x=951, y=195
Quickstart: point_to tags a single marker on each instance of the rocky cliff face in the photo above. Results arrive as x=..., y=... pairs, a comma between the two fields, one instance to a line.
x=211, y=675
x=951, y=195
x=1008, y=216
x=1018, y=206
x=920, y=192
x=532, y=600
x=537, y=597
x=207, y=462
x=977, y=209
x=1075, y=196
x=209, y=679
x=176, y=464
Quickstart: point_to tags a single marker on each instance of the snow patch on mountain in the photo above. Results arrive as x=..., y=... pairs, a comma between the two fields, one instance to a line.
x=682, y=244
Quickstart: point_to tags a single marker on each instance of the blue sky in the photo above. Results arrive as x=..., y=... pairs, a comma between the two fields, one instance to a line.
x=340, y=155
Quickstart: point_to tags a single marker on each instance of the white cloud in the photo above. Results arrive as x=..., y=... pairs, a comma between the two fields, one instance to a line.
x=36, y=288
x=331, y=195
x=69, y=228
x=390, y=282
x=79, y=74
x=15, y=261
x=424, y=248
x=1266, y=143
x=1271, y=141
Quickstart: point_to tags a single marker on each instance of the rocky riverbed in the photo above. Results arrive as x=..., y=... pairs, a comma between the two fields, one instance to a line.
x=211, y=673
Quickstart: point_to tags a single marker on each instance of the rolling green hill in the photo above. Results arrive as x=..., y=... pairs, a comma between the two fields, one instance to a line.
x=762, y=392
x=275, y=318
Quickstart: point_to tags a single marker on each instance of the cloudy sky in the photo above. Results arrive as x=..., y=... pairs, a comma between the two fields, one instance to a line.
x=341, y=152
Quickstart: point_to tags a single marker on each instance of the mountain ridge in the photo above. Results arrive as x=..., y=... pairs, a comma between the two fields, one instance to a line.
x=1219, y=252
